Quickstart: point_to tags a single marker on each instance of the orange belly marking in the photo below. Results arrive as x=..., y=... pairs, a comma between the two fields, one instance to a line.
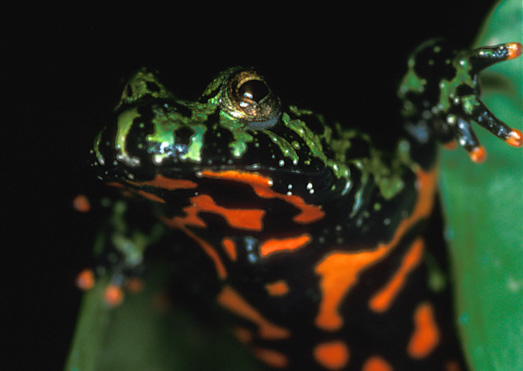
x=382, y=300
x=234, y=302
x=262, y=187
x=426, y=333
x=339, y=271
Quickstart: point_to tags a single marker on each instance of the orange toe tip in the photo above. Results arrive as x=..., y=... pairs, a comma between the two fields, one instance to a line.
x=514, y=50
x=515, y=138
x=113, y=295
x=85, y=279
x=478, y=154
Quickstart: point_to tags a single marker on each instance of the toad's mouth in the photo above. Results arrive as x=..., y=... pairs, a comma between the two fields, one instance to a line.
x=310, y=178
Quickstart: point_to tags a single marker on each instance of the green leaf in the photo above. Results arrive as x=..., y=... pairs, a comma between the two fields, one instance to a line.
x=484, y=206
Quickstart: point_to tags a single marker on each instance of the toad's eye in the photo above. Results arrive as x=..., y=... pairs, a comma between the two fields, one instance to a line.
x=249, y=99
x=253, y=90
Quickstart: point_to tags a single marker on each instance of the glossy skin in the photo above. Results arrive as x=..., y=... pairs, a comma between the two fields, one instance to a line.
x=321, y=245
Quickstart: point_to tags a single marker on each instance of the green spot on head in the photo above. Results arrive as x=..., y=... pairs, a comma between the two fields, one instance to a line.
x=285, y=147
x=239, y=145
x=164, y=127
x=143, y=83
x=239, y=133
x=124, y=122
x=96, y=148
x=167, y=120
x=195, y=147
x=312, y=140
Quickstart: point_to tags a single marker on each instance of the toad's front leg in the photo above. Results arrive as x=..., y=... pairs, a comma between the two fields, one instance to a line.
x=441, y=94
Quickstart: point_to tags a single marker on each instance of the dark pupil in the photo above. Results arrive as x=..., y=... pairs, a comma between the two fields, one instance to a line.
x=254, y=90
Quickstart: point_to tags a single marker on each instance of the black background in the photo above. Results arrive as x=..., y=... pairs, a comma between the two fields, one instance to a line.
x=62, y=70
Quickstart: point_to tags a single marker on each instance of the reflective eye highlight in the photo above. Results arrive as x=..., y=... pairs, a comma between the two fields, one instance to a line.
x=253, y=90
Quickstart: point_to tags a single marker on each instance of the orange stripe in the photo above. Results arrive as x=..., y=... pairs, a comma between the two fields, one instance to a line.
x=233, y=301
x=262, y=187
x=230, y=248
x=382, y=300
x=277, y=288
x=426, y=333
x=158, y=182
x=238, y=218
x=271, y=357
x=332, y=355
x=209, y=250
x=340, y=270
x=191, y=218
x=284, y=245
x=149, y=196
x=255, y=180
x=376, y=363
x=166, y=183
x=115, y=184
